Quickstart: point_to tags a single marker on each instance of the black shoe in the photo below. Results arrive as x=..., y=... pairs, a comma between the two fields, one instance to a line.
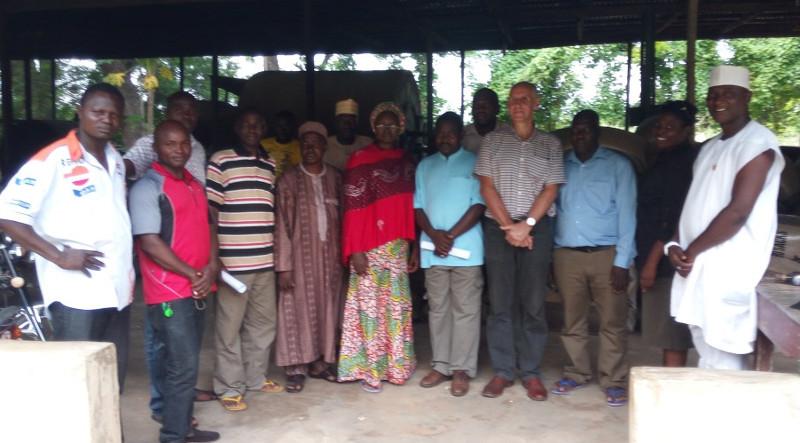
x=202, y=436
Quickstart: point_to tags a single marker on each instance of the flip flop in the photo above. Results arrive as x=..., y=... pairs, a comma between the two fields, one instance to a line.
x=295, y=383
x=270, y=386
x=233, y=404
x=327, y=374
x=369, y=388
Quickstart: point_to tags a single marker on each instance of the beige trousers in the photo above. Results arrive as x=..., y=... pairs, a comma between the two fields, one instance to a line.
x=245, y=332
x=583, y=279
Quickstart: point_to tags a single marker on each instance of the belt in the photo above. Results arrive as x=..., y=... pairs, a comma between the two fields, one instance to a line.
x=589, y=249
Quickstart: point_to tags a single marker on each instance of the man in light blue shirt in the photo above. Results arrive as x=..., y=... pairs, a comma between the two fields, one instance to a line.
x=594, y=241
x=448, y=206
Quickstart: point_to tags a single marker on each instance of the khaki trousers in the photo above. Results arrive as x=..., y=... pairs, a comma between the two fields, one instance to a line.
x=454, y=299
x=584, y=278
x=245, y=332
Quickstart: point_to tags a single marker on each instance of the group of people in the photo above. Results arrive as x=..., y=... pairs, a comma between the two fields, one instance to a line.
x=308, y=243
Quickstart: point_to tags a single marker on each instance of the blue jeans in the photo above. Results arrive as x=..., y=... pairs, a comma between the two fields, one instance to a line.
x=154, y=357
x=516, y=330
x=181, y=336
x=106, y=325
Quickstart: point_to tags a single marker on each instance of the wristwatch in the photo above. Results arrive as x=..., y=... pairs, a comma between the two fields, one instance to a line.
x=530, y=221
x=669, y=245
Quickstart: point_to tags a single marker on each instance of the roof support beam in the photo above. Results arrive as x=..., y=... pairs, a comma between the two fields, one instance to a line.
x=746, y=19
x=691, y=47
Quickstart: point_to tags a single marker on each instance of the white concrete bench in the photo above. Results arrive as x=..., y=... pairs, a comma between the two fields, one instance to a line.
x=699, y=405
x=59, y=392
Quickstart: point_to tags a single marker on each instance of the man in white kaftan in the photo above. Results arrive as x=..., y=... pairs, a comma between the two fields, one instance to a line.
x=727, y=227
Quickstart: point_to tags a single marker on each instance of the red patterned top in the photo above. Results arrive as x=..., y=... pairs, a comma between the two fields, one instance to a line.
x=378, y=199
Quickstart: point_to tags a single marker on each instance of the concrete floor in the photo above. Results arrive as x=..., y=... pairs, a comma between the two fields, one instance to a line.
x=328, y=412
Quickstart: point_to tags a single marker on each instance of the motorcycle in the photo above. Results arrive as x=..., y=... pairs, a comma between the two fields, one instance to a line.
x=25, y=320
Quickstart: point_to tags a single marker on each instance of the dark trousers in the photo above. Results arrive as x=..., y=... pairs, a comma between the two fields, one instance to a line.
x=154, y=357
x=516, y=330
x=105, y=325
x=181, y=336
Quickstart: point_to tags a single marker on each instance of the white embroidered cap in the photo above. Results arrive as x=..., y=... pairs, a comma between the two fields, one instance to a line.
x=730, y=75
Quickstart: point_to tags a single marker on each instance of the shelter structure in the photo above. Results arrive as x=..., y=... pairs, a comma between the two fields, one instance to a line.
x=49, y=29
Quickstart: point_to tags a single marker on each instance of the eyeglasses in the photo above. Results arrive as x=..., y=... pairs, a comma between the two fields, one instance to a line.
x=392, y=127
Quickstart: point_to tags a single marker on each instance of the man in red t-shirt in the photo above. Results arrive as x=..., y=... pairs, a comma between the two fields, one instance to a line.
x=179, y=265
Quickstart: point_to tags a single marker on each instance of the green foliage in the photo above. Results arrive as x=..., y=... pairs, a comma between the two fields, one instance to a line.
x=774, y=79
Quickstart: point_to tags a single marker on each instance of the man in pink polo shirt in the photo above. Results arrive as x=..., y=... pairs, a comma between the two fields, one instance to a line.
x=178, y=260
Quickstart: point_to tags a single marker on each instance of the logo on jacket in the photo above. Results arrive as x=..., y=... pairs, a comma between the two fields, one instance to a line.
x=79, y=178
x=29, y=181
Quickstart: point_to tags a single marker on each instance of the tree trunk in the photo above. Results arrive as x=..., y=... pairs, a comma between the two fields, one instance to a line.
x=134, y=126
x=271, y=63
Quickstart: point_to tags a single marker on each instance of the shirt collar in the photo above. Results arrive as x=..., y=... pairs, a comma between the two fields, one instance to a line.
x=601, y=153
x=158, y=167
x=453, y=155
x=242, y=152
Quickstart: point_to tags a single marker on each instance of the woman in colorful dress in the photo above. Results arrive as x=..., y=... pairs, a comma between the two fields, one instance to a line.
x=662, y=190
x=377, y=240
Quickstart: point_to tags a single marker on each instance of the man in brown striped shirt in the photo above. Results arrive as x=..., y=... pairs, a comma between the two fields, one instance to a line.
x=241, y=195
x=520, y=169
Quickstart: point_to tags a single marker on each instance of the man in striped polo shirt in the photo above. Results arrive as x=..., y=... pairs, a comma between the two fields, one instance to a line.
x=520, y=169
x=241, y=195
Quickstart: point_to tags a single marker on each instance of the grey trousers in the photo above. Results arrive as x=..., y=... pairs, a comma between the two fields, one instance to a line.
x=245, y=332
x=454, y=299
x=516, y=329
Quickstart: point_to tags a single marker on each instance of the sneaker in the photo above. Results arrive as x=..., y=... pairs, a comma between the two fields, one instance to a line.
x=616, y=397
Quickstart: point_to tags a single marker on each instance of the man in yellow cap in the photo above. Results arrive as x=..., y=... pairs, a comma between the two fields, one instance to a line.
x=346, y=141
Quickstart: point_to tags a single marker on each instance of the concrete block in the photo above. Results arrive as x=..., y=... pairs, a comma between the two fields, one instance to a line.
x=699, y=405
x=59, y=391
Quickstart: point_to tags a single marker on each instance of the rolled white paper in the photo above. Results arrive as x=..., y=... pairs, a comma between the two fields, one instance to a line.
x=233, y=282
x=455, y=252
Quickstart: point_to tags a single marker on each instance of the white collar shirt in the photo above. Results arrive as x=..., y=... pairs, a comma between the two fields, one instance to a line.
x=70, y=199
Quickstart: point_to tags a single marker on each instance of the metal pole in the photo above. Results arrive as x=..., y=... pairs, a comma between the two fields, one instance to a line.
x=214, y=99
x=691, y=48
x=628, y=88
x=181, y=71
x=53, y=73
x=648, y=97
x=429, y=98
x=28, y=92
x=309, y=51
x=462, y=84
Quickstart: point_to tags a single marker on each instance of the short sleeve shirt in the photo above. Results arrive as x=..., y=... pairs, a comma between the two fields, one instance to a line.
x=445, y=189
x=520, y=168
x=242, y=188
x=177, y=211
x=70, y=199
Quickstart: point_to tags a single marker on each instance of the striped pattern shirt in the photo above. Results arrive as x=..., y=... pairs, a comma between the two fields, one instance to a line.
x=520, y=168
x=242, y=188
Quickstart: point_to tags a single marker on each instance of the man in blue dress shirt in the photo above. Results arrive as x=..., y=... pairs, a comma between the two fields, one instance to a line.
x=448, y=206
x=594, y=243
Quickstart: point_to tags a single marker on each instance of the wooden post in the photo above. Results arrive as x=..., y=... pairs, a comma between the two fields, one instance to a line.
x=8, y=104
x=691, y=43
x=26, y=64
x=462, y=84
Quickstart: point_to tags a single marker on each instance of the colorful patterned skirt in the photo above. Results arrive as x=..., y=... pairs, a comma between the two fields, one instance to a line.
x=377, y=331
